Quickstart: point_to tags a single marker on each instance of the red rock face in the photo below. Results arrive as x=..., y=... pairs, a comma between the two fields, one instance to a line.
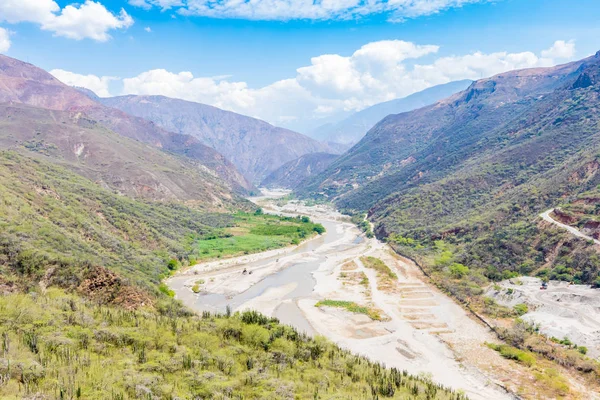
x=564, y=217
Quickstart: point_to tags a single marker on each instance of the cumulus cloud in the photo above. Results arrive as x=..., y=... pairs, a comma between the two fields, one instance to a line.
x=397, y=10
x=560, y=49
x=96, y=84
x=4, y=40
x=335, y=84
x=148, y=29
x=76, y=21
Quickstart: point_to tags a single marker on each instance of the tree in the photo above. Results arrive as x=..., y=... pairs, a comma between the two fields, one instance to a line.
x=458, y=271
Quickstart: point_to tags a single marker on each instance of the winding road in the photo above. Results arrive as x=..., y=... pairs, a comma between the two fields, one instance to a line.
x=576, y=232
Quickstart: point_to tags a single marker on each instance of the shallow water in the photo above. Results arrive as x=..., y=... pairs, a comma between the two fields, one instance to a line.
x=298, y=273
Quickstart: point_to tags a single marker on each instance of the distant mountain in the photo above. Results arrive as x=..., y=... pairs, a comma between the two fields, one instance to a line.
x=24, y=83
x=89, y=93
x=254, y=146
x=353, y=128
x=476, y=170
x=293, y=173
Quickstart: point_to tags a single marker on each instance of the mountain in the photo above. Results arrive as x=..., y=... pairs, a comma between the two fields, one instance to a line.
x=475, y=171
x=254, y=146
x=353, y=128
x=293, y=173
x=24, y=83
x=72, y=139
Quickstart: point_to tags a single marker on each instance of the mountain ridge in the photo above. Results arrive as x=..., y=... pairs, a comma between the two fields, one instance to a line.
x=291, y=174
x=24, y=83
x=254, y=146
x=351, y=129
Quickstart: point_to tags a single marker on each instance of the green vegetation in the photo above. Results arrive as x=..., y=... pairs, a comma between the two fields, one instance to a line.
x=379, y=266
x=512, y=353
x=252, y=233
x=54, y=220
x=521, y=309
x=352, y=307
x=363, y=224
x=59, y=346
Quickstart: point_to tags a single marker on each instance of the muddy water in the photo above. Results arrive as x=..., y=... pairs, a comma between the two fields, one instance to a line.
x=298, y=273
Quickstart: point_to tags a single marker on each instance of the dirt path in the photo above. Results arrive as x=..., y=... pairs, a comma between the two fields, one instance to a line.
x=546, y=217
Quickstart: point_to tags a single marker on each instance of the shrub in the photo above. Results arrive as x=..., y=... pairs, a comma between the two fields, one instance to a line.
x=165, y=290
x=458, y=271
x=521, y=309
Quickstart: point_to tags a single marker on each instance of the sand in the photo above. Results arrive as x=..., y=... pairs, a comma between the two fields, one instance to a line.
x=562, y=310
x=425, y=331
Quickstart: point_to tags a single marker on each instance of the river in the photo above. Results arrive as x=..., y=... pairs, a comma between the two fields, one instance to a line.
x=287, y=283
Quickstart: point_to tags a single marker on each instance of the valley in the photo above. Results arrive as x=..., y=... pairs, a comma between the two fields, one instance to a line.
x=400, y=320
x=249, y=200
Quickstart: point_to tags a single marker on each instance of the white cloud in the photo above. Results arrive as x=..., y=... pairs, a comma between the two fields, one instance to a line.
x=96, y=84
x=560, y=49
x=397, y=10
x=148, y=29
x=335, y=84
x=4, y=40
x=162, y=4
x=76, y=21
x=283, y=10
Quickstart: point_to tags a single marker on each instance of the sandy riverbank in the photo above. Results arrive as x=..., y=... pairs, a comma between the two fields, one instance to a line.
x=418, y=318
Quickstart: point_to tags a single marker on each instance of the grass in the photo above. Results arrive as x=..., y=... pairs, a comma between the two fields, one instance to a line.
x=386, y=277
x=512, y=353
x=352, y=307
x=55, y=345
x=379, y=266
x=253, y=233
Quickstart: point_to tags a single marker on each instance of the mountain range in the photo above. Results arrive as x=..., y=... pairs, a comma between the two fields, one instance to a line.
x=353, y=128
x=477, y=168
x=58, y=105
x=254, y=146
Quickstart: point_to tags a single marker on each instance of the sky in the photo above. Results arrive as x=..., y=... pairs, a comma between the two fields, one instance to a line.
x=293, y=63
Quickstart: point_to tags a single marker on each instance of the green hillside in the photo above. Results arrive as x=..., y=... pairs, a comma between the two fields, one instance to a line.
x=58, y=227
x=59, y=346
x=466, y=179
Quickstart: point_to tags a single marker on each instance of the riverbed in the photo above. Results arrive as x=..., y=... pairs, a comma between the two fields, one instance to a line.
x=423, y=331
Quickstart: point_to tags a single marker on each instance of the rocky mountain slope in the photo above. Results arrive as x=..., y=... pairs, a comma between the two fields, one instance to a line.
x=293, y=173
x=254, y=146
x=476, y=169
x=352, y=129
x=24, y=83
x=127, y=166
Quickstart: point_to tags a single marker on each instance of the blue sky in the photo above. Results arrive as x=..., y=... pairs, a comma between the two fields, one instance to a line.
x=247, y=59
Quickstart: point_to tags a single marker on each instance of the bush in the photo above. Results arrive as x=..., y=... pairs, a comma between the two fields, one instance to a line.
x=521, y=309
x=165, y=290
x=458, y=271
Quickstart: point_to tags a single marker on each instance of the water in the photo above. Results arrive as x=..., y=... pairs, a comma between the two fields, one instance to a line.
x=298, y=273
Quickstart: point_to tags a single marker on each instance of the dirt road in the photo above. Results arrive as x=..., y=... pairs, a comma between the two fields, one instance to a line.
x=546, y=217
